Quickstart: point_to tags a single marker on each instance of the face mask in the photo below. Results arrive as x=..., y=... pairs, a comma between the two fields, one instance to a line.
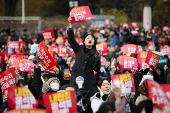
x=102, y=69
x=67, y=81
x=55, y=86
x=26, y=86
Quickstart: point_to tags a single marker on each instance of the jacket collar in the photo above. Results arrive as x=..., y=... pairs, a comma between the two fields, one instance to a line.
x=91, y=51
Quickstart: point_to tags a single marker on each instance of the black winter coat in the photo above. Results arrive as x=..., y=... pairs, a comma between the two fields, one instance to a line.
x=84, y=65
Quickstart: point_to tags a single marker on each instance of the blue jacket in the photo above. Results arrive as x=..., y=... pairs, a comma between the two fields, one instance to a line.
x=114, y=40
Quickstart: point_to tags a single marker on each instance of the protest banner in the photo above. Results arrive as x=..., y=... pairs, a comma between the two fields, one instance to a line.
x=125, y=25
x=60, y=40
x=17, y=56
x=140, y=49
x=127, y=82
x=60, y=50
x=150, y=43
x=48, y=34
x=103, y=48
x=162, y=40
x=163, y=61
x=61, y=102
x=46, y=60
x=23, y=65
x=10, y=51
x=152, y=59
x=142, y=63
x=80, y=14
x=166, y=89
x=103, y=60
x=27, y=111
x=7, y=79
x=52, y=53
x=16, y=44
x=157, y=95
x=142, y=54
x=165, y=28
x=129, y=49
x=165, y=51
x=3, y=57
x=127, y=62
x=21, y=98
x=134, y=24
x=79, y=41
x=34, y=48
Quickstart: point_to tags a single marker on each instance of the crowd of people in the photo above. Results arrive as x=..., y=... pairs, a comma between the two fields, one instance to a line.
x=99, y=93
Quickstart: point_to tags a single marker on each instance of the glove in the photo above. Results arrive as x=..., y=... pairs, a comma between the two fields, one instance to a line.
x=35, y=60
x=80, y=92
x=45, y=87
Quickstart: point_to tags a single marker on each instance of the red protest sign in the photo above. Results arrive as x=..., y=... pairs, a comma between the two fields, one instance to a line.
x=125, y=25
x=3, y=57
x=165, y=51
x=127, y=62
x=47, y=61
x=60, y=40
x=52, y=53
x=150, y=43
x=62, y=102
x=79, y=41
x=17, y=56
x=157, y=95
x=103, y=60
x=142, y=54
x=165, y=28
x=7, y=79
x=48, y=34
x=161, y=39
x=16, y=44
x=27, y=111
x=60, y=50
x=21, y=98
x=140, y=49
x=127, y=82
x=23, y=65
x=134, y=24
x=103, y=48
x=142, y=63
x=152, y=59
x=80, y=14
x=166, y=89
x=129, y=49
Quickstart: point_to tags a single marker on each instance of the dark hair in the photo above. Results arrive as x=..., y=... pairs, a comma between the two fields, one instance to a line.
x=147, y=104
x=95, y=41
x=106, y=107
x=101, y=81
x=65, y=86
x=22, y=81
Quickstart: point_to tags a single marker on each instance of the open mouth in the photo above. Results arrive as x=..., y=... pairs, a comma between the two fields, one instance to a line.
x=90, y=42
x=107, y=90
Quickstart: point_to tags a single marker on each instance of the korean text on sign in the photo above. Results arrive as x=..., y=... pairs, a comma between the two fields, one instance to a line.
x=62, y=102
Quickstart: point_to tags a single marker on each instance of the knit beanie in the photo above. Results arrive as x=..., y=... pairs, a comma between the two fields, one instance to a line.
x=51, y=79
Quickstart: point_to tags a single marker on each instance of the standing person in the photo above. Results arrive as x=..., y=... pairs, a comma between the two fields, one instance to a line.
x=87, y=60
x=14, y=37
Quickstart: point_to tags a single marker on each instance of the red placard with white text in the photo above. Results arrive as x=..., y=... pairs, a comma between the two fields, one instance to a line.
x=134, y=24
x=165, y=28
x=79, y=41
x=21, y=98
x=140, y=49
x=129, y=49
x=23, y=65
x=47, y=61
x=125, y=25
x=103, y=48
x=80, y=14
x=142, y=54
x=157, y=95
x=127, y=62
x=61, y=102
x=165, y=51
x=60, y=40
x=17, y=56
x=142, y=63
x=150, y=43
x=3, y=57
x=161, y=39
x=7, y=79
x=52, y=53
x=48, y=34
x=60, y=50
x=27, y=111
x=152, y=59
x=16, y=44
x=166, y=89
x=127, y=81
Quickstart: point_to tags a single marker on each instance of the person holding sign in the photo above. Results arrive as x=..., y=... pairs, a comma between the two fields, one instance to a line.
x=87, y=60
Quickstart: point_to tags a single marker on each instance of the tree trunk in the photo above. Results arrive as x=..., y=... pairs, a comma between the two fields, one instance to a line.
x=10, y=7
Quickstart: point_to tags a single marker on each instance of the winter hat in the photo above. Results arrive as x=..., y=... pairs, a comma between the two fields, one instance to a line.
x=143, y=88
x=51, y=79
x=30, y=57
x=150, y=77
